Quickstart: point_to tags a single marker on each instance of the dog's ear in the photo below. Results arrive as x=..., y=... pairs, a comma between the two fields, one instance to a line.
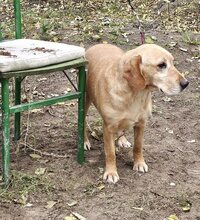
x=133, y=75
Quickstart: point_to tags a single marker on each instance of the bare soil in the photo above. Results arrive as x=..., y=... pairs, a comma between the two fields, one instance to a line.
x=172, y=152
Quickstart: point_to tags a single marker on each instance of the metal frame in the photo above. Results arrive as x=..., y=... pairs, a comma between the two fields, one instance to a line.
x=17, y=108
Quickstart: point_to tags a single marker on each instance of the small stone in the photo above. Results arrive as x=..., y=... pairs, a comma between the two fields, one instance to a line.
x=172, y=184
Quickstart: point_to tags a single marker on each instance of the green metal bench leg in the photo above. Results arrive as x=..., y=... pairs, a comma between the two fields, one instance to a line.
x=18, y=114
x=81, y=109
x=18, y=35
x=5, y=131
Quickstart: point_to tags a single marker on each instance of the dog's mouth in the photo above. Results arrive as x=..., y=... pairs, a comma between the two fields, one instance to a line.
x=161, y=90
x=174, y=91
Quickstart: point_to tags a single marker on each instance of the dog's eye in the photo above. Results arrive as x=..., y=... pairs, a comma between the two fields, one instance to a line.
x=162, y=65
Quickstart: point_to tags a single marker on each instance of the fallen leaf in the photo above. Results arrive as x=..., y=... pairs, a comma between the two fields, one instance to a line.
x=42, y=79
x=37, y=25
x=53, y=33
x=70, y=104
x=73, y=203
x=54, y=95
x=78, y=216
x=185, y=205
x=47, y=124
x=28, y=205
x=154, y=38
x=101, y=170
x=61, y=103
x=35, y=92
x=96, y=37
x=172, y=44
x=169, y=131
x=183, y=49
x=138, y=208
x=172, y=184
x=189, y=60
x=172, y=217
x=186, y=208
x=92, y=161
x=35, y=156
x=70, y=218
x=73, y=71
x=37, y=110
x=82, y=45
x=186, y=73
x=44, y=161
x=101, y=186
x=24, y=198
x=149, y=40
x=50, y=204
x=166, y=99
x=40, y=171
x=95, y=136
x=191, y=141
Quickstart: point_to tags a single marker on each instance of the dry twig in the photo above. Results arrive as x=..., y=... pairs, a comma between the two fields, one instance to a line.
x=43, y=153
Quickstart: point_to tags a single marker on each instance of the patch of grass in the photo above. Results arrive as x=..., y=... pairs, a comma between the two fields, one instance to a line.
x=190, y=39
x=80, y=21
x=22, y=185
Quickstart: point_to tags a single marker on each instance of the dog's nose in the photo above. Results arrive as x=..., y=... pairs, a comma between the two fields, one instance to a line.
x=183, y=83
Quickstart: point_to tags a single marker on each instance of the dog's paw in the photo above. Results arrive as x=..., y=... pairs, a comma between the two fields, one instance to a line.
x=111, y=177
x=140, y=166
x=122, y=142
x=87, y=145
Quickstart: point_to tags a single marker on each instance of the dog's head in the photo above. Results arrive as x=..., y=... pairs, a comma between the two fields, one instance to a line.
x=150, y=65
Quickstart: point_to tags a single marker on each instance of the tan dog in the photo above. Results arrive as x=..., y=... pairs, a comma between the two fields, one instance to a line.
x=119, y=85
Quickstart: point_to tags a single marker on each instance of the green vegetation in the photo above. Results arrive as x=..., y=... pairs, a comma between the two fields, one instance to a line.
x=190, y=39
x=23, y=185
x=99, y=20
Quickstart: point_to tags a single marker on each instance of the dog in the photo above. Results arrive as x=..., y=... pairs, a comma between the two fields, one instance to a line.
x=119, y=84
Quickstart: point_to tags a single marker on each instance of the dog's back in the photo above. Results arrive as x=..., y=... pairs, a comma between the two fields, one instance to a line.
x=103, y=62
x=103, y=52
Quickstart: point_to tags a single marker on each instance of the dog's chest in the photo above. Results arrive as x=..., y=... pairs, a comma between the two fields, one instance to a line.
x=126, y=116
x=135, y=112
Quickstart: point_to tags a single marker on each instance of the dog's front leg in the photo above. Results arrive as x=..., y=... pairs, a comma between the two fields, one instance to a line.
x=139, y=163
x=110, y=175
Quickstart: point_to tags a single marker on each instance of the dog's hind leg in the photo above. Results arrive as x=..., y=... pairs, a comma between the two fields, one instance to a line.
x=139, y=163
x=122, y=141
x=87, y=145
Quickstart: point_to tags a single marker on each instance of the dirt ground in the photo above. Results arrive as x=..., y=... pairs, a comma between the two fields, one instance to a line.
x=48, y=183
